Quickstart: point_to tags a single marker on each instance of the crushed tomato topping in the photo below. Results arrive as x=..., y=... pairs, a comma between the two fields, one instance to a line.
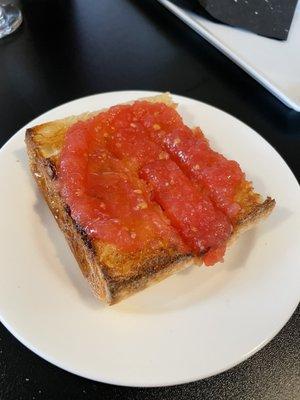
x=136, y=177
x=106, y=200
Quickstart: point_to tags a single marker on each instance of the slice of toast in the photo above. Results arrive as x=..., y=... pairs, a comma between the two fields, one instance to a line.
x=114, y=275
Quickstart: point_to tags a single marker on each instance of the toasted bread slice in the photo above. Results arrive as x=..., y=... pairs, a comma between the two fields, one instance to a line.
x=114, y=275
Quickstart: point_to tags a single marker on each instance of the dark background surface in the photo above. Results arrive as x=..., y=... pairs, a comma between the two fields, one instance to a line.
x=68, y=49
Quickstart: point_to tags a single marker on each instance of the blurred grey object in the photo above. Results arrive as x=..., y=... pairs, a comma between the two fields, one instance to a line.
x=270, y=18
x=10, y=17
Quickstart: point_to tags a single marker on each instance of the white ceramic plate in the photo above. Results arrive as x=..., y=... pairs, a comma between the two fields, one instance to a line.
x=191, y=326
x=273, y=63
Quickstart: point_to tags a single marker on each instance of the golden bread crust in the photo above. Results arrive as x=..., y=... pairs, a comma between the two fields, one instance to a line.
x=113, y=276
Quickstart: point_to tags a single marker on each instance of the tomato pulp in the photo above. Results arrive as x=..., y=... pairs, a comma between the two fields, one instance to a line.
x=135, y=176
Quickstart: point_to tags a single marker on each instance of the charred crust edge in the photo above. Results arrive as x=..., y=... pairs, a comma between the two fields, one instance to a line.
x=50, y=168
x=147, y=270
x=67, y=210
x=259, y=210
x=28, y=133
x=84, y=236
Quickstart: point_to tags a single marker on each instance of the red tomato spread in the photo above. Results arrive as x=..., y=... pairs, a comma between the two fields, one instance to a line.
x=135, y=176
x=105, y=199
x=193, y=215
x=212, y=171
